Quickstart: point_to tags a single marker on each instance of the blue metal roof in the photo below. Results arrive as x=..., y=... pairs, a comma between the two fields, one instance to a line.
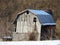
x=39, y=12
x=44, y=17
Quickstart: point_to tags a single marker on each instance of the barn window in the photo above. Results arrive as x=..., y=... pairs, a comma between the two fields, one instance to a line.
x=27, y=12
x=34, y=19
x=15, y=27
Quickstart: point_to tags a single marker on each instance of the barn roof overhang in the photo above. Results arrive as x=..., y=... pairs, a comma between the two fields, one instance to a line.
x=49, y=24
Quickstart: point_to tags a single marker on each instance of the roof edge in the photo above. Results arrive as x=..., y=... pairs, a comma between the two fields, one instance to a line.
x=49, y=24
x=17, y=15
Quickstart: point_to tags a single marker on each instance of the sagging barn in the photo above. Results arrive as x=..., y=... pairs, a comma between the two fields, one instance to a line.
x=34, y=25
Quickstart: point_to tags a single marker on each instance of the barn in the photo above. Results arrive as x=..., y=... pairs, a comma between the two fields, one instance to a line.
x=34, y=25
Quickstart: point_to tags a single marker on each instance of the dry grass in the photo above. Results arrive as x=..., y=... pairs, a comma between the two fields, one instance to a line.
x=58, y=28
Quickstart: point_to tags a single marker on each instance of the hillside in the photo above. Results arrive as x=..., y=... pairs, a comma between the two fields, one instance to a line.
x=10, y=8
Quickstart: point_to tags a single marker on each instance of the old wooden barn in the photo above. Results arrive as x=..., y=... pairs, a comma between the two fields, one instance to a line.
x=34, y=25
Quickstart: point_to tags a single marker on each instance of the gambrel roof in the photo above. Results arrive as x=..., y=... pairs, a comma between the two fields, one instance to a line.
x=44, y=17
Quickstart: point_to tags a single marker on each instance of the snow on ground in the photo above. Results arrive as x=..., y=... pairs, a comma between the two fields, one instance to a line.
x=54, y=42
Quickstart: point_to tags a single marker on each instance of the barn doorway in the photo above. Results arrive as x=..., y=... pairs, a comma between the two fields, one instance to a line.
x=47, y=33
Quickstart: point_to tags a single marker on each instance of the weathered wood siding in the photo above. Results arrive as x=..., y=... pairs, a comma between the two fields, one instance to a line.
x=25, y=25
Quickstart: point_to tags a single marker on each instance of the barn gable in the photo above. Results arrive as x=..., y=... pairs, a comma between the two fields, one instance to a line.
x=44, y=17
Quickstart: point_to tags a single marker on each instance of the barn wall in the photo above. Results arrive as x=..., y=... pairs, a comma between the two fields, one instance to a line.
x=20, y=36
x=25, y=25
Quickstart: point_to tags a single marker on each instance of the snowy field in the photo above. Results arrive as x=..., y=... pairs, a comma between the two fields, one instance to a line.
x=55, y=42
